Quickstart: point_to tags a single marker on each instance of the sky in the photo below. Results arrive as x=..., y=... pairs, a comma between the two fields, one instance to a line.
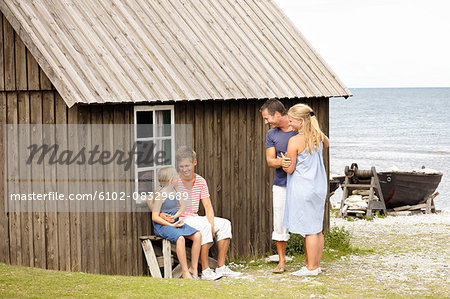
x=378, y=43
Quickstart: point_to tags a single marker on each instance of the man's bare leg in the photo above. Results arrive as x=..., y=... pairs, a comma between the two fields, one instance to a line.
x=281, y=248
x=222, y=247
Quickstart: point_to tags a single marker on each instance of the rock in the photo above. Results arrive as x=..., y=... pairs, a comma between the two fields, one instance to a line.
x=361, y=192
x=353, y=198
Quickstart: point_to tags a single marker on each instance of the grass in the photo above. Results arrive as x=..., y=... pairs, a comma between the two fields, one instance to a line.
x=17, y=281
x=351, y=272
x=23, y=282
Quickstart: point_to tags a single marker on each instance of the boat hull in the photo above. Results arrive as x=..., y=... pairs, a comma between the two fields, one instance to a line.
x=402, y=188
x=407, y=188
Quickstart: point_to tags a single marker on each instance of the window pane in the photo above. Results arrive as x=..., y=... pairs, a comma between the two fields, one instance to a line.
x=145, y=153
x=163, y=153
x=146, y=181
x=168, y=151
x=144, y=122
x=163, y=120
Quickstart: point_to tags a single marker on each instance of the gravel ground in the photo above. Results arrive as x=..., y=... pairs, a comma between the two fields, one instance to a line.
x=409, y=256
x=411, y=253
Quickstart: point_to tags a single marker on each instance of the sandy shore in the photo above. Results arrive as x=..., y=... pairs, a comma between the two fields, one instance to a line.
x=408, y=256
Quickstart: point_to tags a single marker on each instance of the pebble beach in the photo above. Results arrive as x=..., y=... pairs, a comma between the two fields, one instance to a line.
x=411, y=253
x=406, y=256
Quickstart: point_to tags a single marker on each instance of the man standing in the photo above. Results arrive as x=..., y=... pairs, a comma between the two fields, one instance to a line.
x=210, y=227
x=274, y=113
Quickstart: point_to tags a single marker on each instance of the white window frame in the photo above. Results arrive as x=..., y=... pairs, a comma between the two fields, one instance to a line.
x=155, y=168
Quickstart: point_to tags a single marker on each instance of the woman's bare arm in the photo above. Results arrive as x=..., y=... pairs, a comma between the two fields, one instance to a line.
x=291, y=156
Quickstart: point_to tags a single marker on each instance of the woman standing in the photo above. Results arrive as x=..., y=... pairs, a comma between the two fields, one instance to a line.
x=306, y=185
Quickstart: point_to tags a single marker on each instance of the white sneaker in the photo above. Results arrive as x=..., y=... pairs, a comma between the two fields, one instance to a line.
x=227, y=272
x=320, y=269
x=209, y=274
x=305, y=272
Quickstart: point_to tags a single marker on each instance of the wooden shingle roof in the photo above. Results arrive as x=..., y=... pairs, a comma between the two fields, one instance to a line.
x=115, y=51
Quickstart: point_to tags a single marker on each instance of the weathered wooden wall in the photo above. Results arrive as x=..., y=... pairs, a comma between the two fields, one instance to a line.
x=75, y=240
x=229, y=138
x=79, y=240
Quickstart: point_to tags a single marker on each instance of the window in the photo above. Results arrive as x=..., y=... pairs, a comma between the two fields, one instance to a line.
x=155, y=144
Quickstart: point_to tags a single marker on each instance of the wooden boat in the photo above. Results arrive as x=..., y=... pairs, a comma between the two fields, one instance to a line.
x=401, y=188
x=407, y=188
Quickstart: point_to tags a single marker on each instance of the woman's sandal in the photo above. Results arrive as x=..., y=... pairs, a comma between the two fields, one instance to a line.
x=279, y=269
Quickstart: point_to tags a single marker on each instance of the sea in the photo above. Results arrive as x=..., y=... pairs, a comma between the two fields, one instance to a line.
x=392, y=129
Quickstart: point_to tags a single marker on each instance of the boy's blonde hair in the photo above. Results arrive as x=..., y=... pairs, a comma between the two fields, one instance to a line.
x=310, y=128
x=185, y=152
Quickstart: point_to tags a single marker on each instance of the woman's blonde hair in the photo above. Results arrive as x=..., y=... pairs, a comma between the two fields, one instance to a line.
x=310, y=127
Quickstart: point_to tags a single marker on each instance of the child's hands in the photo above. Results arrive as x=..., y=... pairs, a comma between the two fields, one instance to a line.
x=179, y=223
x=169, y=218
x=285, y=161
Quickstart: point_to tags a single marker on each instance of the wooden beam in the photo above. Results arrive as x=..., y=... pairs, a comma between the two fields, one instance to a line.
x=151, y=258
x=167, y=259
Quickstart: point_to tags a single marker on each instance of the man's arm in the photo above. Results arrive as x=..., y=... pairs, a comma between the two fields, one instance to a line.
x=209, y=211
x=326, y=141
x=271, y=157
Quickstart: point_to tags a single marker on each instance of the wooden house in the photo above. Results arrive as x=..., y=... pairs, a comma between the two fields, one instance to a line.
x=210, y=64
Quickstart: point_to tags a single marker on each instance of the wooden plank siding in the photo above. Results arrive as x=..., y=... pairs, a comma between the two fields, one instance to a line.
x=13, y=173
x=51, y=217
x=2, y=57
x=96, y=119
x=25, y=173
x=72, y=240
x=229, y=139
x=4, y=216
x=62, y=171
x=231, y=157
x=86, y=219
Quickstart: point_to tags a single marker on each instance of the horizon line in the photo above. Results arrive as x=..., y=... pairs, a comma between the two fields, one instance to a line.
x=404, y=87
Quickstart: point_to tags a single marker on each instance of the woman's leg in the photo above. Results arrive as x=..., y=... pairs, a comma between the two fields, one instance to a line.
x=306, y=251
x=181, y=254
x=312, y=247
x=321, y=245
x=195, y=252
